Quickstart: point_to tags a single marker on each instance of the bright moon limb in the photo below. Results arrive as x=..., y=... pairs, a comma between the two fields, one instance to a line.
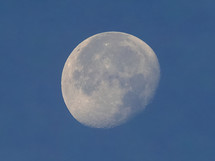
x=108, y=78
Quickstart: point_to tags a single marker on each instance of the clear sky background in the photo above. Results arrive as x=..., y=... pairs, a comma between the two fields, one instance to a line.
x=37, y=36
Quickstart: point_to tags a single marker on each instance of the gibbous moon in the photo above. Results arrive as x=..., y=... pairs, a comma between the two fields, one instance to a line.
x=108, y=78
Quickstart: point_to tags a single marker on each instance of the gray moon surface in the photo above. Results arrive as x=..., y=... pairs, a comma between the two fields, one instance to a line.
x=109, y=78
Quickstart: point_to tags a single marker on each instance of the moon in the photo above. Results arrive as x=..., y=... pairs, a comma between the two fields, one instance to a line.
x=109, y=78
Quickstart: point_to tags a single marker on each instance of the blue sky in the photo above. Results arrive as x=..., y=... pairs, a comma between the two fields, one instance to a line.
x=36, y=37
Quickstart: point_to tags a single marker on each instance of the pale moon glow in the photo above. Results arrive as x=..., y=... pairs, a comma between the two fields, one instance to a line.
x=108, y=78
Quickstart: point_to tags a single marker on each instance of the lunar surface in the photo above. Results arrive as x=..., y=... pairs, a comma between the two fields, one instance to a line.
x=108, y=78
